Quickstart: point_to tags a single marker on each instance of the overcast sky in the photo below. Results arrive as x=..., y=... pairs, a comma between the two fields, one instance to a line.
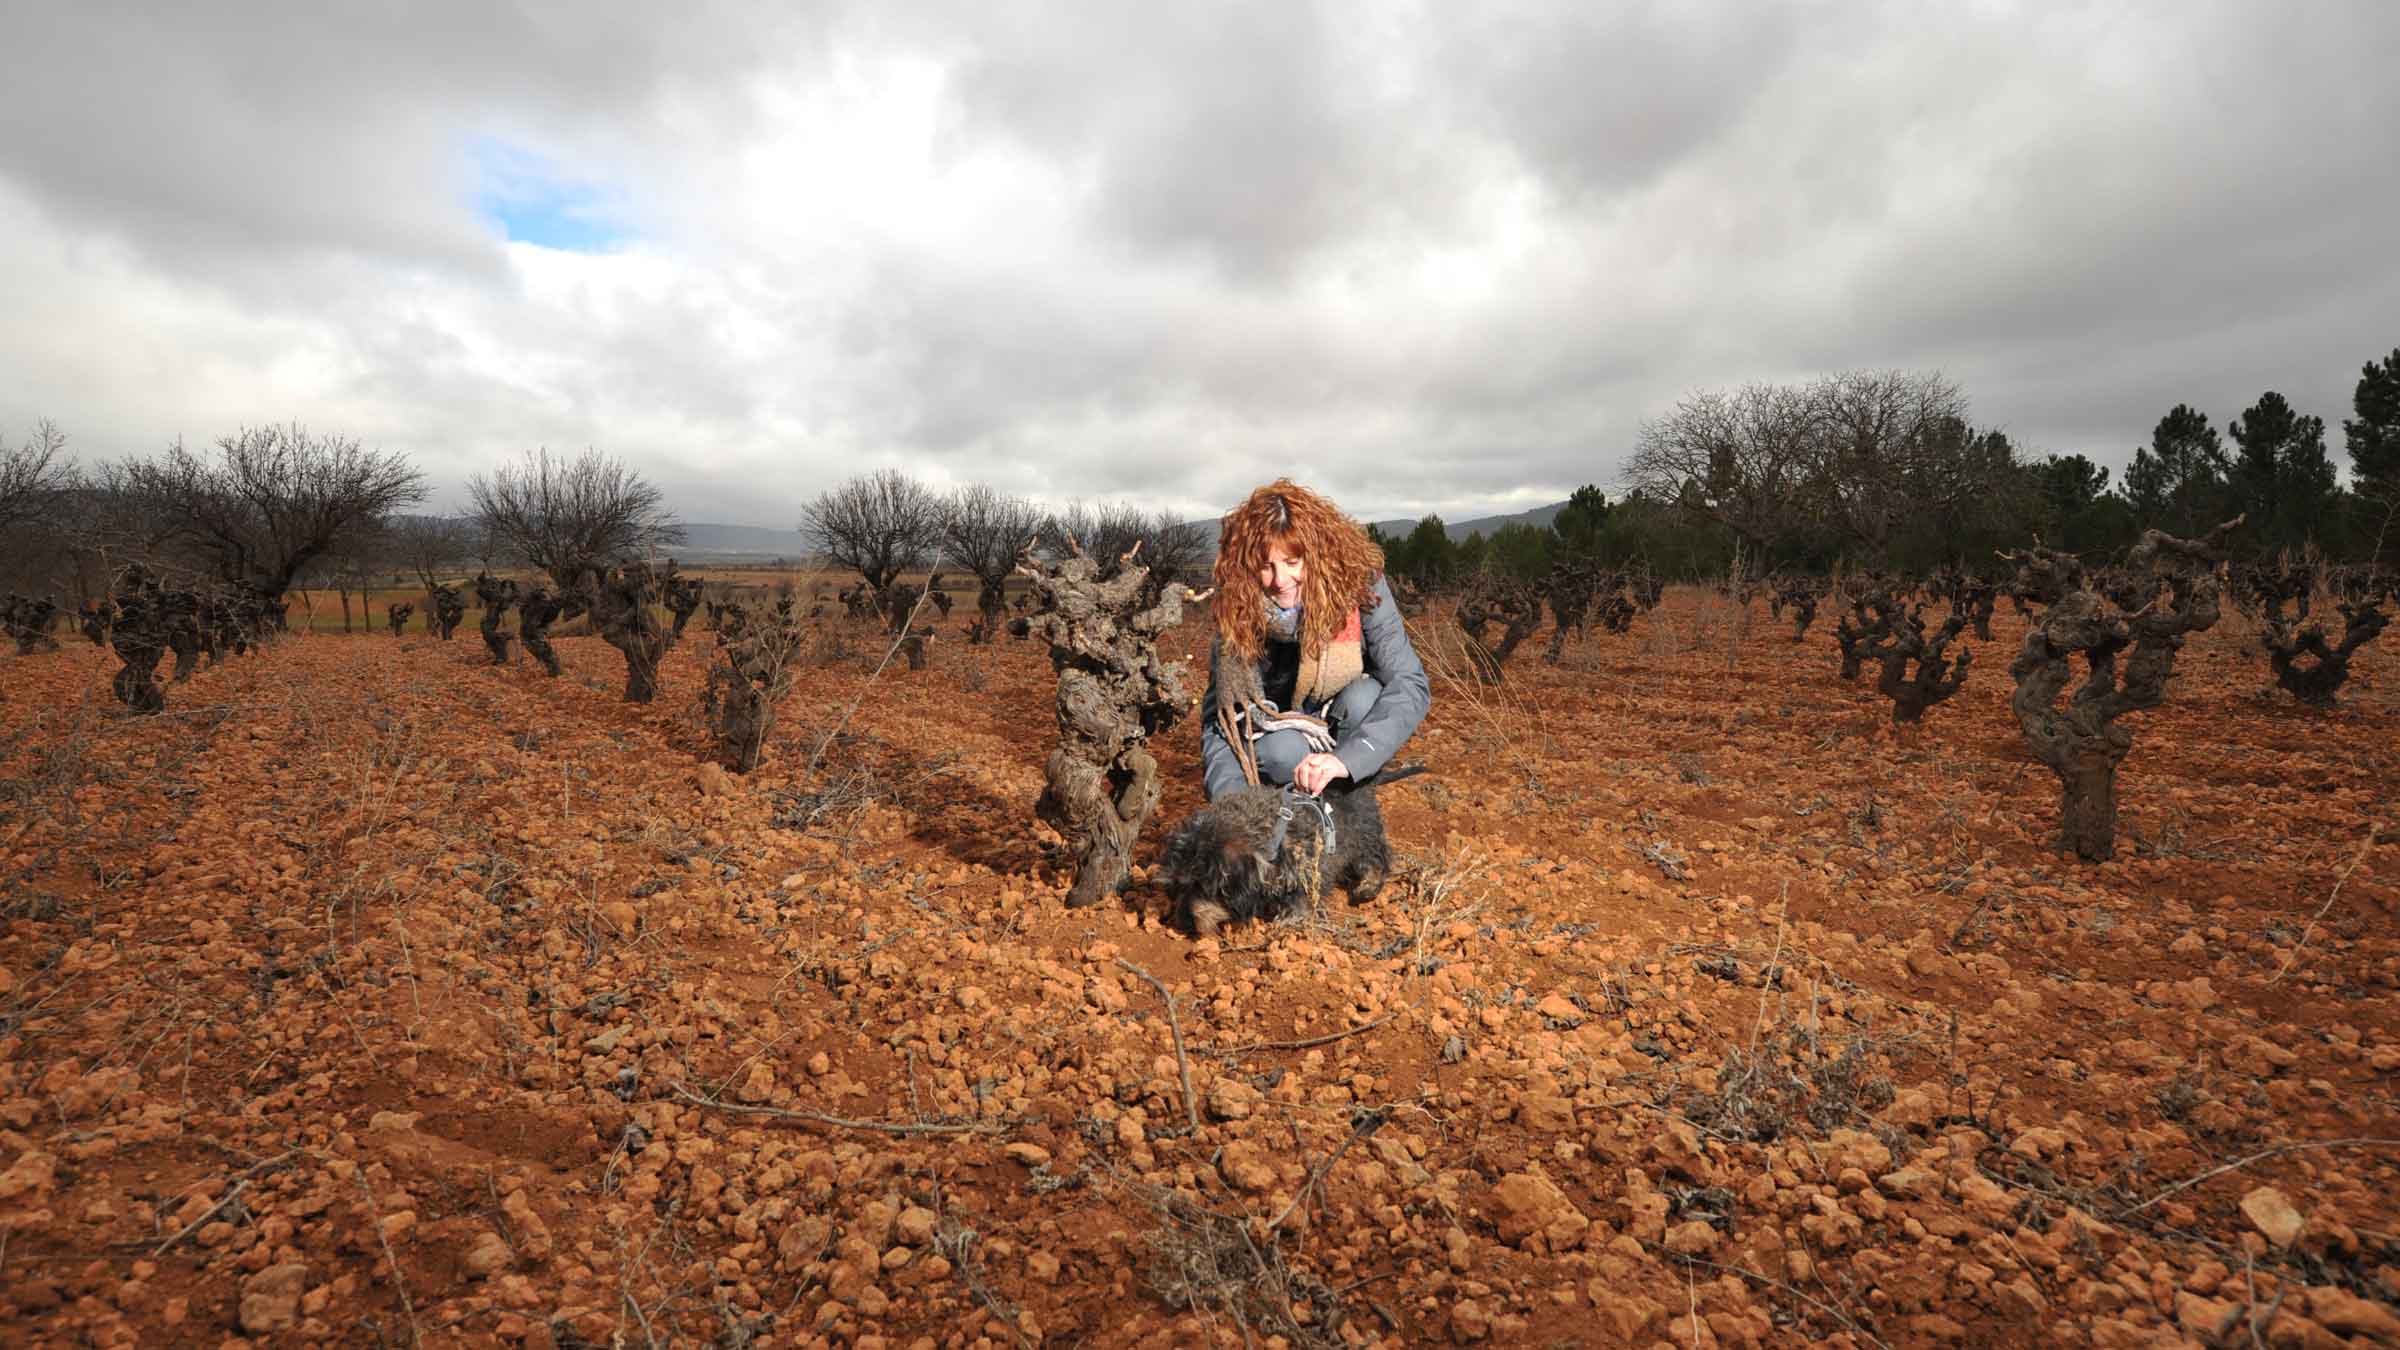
x=1433, y=256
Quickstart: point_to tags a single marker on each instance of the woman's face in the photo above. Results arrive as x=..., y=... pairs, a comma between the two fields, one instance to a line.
x=1282, y=575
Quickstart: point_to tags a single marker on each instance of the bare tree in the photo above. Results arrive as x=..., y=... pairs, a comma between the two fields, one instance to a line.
x=1897, y=445
x=1888, y=444
x=432, y=547
x=878, y=524
x=1171, y=549
x=983, y=530
x=268, y=502
x=1742, y=459
x=352, y=564
x=33, y=475
x=569, y=517
x=1176, y=550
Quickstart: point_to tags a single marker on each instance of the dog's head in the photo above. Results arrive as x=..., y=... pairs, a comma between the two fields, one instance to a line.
x=1214, y=872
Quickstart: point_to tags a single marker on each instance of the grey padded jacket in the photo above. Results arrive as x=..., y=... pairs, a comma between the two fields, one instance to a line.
x=1364, y=748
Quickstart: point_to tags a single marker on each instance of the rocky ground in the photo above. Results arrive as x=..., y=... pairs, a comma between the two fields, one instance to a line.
x=376, y=995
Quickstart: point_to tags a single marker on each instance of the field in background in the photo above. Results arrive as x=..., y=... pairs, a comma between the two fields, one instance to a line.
x=320, y=610
x=409, y=998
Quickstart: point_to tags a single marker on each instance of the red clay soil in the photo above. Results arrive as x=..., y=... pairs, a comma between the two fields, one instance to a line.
x=377, y=995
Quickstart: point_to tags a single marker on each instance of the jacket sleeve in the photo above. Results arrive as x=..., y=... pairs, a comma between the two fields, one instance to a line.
x=1221, y=770
x=1392, y=660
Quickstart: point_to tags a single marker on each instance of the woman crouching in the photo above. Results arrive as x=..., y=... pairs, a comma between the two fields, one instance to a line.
x=1311, y=675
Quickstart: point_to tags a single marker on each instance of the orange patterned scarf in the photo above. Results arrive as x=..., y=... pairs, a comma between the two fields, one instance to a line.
x=1330, y=671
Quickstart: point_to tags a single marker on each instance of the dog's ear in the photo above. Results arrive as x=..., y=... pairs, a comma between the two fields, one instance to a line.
x=1247, y=865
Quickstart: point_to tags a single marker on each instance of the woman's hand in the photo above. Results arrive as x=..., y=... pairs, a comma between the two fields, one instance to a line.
x=1312, y=774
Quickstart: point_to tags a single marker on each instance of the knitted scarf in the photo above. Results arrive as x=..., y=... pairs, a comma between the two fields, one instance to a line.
x=1243, y=712
x=1329, y=672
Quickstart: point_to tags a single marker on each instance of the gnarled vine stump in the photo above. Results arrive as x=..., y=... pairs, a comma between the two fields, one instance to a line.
x=1488, y=600
x=2083, y=741
x=449, y=609
x=535, y=613
x=1936, y=676
x=1866, y=632
x=496, y=595
x=624, y=602
x=1114, y=692
x=748, y=680
x=27, y=622
x=2309, y=667
x=138, y=633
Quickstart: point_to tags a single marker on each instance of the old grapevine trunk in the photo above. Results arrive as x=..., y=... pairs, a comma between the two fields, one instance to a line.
x=1114, y=693
x=1104, y=810
x=2128, y=646
x=2088, y=820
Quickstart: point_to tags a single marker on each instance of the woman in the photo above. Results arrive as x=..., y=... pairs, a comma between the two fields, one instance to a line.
x=1311, y=676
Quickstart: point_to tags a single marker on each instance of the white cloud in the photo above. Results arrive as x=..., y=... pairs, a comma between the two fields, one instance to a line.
x=1423, y=256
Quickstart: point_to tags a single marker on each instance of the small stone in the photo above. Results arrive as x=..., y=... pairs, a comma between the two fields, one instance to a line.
x=916, y=1225
x=622, y=917
x=1547, y=1113
x=2204, y=1319
x=2039, y=1144
x=1695, y=1238
x=2346, y=1312
x=1233, y=1099
x=1031, y=1155
x=271, y=1298
x=1245, y=1165
x=1535, y=1214
x=489, y=1256
x=1910, y=1183
x=1556, y=1009
x=2271, y=1213
x=33, y=1173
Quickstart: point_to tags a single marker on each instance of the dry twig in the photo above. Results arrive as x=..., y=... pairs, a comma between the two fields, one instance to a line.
x=831, y=1122
x=1312, y=1042
x=2260, y=1156
x=2365, y=847
x=1183, y=1065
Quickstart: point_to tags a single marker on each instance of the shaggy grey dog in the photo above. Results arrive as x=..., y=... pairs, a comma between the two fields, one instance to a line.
x=1258, y=852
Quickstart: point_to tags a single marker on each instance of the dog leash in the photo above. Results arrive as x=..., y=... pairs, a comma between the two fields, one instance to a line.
x=1288, y=810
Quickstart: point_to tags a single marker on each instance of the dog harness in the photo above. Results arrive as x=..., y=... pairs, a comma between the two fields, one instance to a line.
x=1286, y=811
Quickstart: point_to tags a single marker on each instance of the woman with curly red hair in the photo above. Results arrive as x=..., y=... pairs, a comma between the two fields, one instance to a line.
x=1311, y=676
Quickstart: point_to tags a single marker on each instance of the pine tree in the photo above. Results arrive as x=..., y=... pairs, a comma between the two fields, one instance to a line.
x=2180, y=478
x=1579, y=523
x=2283, y=477
x=2374, y=435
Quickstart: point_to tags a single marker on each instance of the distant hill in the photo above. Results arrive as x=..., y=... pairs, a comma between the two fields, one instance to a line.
x=704, y=540
x=1462, y=530
x=1459, y=530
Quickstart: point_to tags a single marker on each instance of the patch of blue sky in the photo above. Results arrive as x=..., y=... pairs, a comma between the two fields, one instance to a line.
x=526, y=196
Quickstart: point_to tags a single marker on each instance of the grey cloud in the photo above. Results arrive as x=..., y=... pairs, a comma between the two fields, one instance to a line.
x=1428, y=256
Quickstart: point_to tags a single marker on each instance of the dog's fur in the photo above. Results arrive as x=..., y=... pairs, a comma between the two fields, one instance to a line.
x=1216, y=869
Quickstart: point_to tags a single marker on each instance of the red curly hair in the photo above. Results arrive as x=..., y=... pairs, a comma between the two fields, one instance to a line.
x=1343, y=565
